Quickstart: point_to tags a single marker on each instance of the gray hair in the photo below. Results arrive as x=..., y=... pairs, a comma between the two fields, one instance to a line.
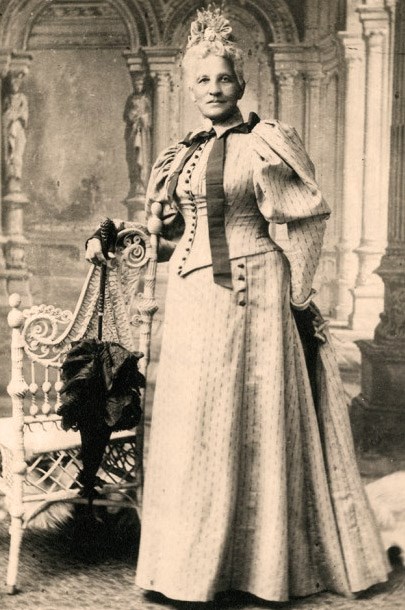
x=203, y=49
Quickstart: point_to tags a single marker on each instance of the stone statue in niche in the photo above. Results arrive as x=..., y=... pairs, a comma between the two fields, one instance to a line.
x=14, y=125
x=138, y=130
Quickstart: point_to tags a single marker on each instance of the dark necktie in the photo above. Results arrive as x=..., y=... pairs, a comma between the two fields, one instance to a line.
x=221, y=264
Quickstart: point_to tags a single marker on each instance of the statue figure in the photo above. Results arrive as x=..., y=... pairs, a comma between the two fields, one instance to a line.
x=14, y=123
x=138, y=119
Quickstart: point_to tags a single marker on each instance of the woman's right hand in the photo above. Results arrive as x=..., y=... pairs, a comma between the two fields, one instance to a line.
x=94, y=253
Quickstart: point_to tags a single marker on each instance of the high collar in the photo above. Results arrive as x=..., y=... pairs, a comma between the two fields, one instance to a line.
x=233, y=120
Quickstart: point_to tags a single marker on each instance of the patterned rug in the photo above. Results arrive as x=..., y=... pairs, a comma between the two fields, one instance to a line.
x=91, y=565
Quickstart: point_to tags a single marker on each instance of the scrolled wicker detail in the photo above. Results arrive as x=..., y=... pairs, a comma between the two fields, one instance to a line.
x=133, y=246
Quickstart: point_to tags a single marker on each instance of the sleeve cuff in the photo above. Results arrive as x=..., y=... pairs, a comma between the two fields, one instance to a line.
x=96, y=235
x=304, y=304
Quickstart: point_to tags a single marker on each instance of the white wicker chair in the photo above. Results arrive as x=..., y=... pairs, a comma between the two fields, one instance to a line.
x=40, y=461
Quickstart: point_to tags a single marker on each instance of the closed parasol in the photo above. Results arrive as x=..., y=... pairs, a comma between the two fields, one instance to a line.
x=102, y=386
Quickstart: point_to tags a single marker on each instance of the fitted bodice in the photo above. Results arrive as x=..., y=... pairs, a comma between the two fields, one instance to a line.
x=246, y=228
x=268, y=177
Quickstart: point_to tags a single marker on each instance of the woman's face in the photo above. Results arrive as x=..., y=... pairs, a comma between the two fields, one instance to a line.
x=215, y=88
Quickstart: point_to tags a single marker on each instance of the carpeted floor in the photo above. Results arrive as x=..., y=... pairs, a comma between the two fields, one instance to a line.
x=65, y=570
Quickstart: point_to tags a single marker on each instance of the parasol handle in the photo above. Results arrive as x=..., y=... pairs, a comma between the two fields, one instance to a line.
x=108, y=236
x=101, y=301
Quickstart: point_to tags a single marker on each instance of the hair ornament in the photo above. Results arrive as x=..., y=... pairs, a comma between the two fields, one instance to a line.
x=210, y=26
x=211, y=34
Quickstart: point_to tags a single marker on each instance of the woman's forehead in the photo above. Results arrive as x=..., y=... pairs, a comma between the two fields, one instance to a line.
x=213, y=64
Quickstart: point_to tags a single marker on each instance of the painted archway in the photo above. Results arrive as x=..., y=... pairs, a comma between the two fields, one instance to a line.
x=20, y=18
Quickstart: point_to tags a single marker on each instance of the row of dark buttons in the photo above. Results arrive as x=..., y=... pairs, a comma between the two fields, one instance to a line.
x=190, y=239
x=196, y=156
x=241, y=278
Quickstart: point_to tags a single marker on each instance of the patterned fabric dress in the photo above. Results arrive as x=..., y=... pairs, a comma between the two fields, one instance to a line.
x=247, y=487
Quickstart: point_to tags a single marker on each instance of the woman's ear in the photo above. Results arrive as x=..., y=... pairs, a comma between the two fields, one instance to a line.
x=192, y=94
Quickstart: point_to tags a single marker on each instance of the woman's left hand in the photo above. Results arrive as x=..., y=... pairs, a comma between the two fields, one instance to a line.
x=319, y=323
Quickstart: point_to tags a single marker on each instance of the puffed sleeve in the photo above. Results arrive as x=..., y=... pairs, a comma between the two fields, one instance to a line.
x=157, y=191
x=286, y=192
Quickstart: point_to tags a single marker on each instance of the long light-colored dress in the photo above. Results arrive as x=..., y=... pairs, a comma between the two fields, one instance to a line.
x=247, y=487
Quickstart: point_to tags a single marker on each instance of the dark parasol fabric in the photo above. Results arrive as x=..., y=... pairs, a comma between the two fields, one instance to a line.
x=101, y=392
x=102, y=384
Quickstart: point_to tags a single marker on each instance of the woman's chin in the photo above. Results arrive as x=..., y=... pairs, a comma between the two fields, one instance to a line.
x=217, y=112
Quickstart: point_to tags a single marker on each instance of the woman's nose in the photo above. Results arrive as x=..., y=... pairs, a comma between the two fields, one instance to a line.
x=214, y=87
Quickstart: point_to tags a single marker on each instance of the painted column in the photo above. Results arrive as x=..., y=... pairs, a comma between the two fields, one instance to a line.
x=285, y=97
x=312, y=130
x=161, y=63
x=353, y=142
x=14, y=125
x=390, y=10
x=379, y=411
x=368, y=291
x=5, y=57
x=289, y=66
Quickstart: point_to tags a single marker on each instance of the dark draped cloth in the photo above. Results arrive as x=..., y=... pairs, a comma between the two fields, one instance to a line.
x=101, y=393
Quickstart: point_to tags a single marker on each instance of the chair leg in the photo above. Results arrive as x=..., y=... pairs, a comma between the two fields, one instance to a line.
x=16, y=534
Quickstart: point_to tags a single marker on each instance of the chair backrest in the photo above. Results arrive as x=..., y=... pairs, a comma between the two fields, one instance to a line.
x=43, y=334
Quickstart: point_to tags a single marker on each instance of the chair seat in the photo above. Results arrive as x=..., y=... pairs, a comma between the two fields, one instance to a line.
x=45, y=436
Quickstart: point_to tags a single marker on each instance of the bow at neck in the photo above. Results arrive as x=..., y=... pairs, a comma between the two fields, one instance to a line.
x=202, y=136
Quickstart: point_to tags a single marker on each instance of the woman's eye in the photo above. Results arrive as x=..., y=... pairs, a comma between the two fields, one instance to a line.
x=203, y=79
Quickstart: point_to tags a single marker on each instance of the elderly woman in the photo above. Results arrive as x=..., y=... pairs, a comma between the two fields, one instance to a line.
x=251, y=480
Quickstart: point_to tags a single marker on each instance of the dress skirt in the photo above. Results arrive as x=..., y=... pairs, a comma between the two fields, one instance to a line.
x=237, y=494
